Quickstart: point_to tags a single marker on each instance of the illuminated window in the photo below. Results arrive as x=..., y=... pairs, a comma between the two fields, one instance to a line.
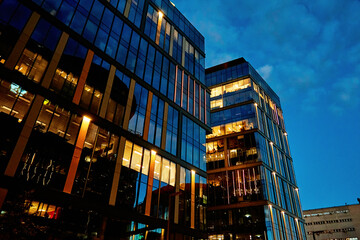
x=157, y=167
x=136, y=158
x=216, y=104
x=216, y=92
x=165, y=171
x=31, y=65
x=146, y=162
x=40, y=209
x=127, y=154
x=172, y=174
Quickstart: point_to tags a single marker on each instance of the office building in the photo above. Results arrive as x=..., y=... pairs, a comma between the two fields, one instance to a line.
x=335, y=223
x=103, y=119
x=251, y=180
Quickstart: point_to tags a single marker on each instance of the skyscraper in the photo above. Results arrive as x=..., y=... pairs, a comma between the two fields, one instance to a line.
x=252, y=186
x=103, y=116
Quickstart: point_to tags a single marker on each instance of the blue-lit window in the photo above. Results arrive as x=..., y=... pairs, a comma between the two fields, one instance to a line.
x=164, y=41
x=134, y=45
x=90, y=31
x=149, y=64
x=151, y=23
x=124, y=45
x=16, y=15
x=157, y=70
x=171, y=85
x=136, y=123
x=178, y=87
x=78, y=22
x=197, y=100
x=51, y=6
x=192, y=147
x=191, y=96
x=172, y=130
x=202, y=106
x=135, y=13
x=140, y=64
x=177, y=47
x=66, y=12
x=156, y=121
x=164, y=76
x=185, y=92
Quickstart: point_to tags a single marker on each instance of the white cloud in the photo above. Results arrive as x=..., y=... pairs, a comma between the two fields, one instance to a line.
x=265, y=71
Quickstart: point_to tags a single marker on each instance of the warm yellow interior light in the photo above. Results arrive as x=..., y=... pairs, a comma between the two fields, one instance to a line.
x=153, y=152
x=160, y=14
x=86, y=119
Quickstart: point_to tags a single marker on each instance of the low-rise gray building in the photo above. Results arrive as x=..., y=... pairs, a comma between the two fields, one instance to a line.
x=333, y=223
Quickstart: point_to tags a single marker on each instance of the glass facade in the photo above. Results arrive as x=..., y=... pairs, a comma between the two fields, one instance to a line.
x=252, y=187
x=103, y=118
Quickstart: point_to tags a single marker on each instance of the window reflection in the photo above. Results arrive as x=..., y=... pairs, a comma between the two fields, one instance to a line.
x=137, y=160
x=31, y=65
x=242, y=149
x=14, y=105
x=230, y=128
x=48, y=153
x=95, y=85
x=14, y=100
x=41, y=209
x=234, y=186
x=230, y=87
x=215, y=156
x=64, y=83
x=97, y=161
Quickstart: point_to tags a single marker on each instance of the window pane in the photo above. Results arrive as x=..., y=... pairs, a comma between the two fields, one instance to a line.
x=165, y=171
x=127, y=154
x=136, y=158
x=157, y=167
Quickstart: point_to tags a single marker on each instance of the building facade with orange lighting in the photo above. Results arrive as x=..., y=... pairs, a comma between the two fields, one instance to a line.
x=251, y=181
x=103, y=116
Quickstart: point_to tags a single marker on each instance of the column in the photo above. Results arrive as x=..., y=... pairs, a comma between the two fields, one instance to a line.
x=107, y=92
x=192, y=215
x=150, y=183
x=129, y=104
x=117, y=171
x=76, y=155
x=163, y=134
x=82, y=79
x=147, y=116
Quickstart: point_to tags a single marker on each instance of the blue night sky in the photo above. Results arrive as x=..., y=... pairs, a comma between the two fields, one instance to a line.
x=309, y=53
